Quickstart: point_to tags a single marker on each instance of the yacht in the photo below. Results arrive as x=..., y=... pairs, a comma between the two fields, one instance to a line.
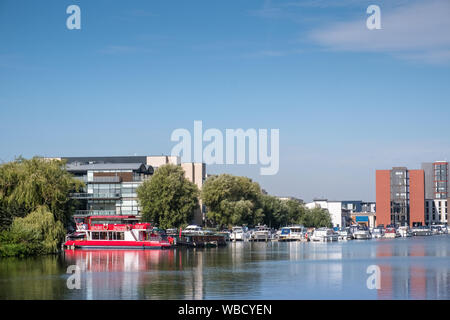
x=391, y=232
x=193, y=229
x=377, y=232
x=239, y=234
x=437, y=229
x=421, y=231
x=361, y=233
x=261, y=233
x=292, y=233
x=324, y=234
x=344, y=234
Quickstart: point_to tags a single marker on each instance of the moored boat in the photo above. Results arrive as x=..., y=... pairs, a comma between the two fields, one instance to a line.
x=324, y=234
x=239, y=234
x=112, y=235
x=361, y=232
x=292, y=233
x=378, y=232
x=261, y=233
x=421, y=231
x=391, y=232
x=195, y=236
x=404, y=231
x=344, y=234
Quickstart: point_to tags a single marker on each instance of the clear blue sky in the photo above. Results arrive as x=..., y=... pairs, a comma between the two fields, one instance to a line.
x=347, y=100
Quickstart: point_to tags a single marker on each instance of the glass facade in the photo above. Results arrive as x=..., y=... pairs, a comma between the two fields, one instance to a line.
x=440, y=180
x=400, y=196
x=111, y=191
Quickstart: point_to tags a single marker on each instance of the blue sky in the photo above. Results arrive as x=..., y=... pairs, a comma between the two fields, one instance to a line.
x=347, y=100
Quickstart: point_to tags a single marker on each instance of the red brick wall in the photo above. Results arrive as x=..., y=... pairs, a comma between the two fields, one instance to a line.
x=417, y=196
x=383, y=197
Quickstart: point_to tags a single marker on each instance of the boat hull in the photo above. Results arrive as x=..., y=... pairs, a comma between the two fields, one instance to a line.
x=108, y=244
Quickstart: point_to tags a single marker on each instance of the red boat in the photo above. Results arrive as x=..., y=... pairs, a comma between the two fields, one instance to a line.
x=109, y=234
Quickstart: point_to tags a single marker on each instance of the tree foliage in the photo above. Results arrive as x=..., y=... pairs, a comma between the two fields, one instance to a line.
x=168, y=199
x=232, y=200
x=37, y=233
x=317, y=217
x=25, y=185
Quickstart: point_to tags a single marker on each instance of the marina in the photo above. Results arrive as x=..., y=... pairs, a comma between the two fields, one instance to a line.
x=411, y=268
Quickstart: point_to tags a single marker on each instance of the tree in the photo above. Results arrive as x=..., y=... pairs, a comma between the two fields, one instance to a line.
x=37, y=233
x=26, y=185
x=274, y=210
x=168, y=199
x=232, y=200
x=317, y=217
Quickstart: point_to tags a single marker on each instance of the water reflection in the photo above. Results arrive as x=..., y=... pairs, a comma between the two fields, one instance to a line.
x=413, y=268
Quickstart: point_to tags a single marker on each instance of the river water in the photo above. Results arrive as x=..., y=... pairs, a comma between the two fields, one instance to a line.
x=409, y=268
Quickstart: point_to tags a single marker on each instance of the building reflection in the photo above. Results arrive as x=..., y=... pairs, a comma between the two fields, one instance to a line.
x=404, y=271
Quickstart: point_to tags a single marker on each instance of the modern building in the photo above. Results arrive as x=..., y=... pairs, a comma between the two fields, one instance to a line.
x=400, y=196
x=111, y=182
x=437, y=177
x=110, y=188
x=346, y=212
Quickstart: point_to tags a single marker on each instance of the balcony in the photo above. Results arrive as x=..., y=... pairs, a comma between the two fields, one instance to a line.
x=90, y=196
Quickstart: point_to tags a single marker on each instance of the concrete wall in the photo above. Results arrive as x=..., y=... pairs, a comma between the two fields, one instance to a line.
x=157, y=161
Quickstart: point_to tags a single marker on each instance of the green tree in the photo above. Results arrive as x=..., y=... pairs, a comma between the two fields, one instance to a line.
x=317, y=217
x=168, y=199
x=275, y=211
x=25, y=185
x=232, y=200
x=37, y=233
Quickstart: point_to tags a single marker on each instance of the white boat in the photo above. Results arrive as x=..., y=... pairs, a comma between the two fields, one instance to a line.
x=391, y=232
x=344, y=234
x=421, y=231
x=261, y=233
x=361, y=233
x=324, y=234
x=437, y=229
x=239, y=234
x=444, y=228
x=404, y=231
x=193, y=229
x=377, y=232
x=292, y=233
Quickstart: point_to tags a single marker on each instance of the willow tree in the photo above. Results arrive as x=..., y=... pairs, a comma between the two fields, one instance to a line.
x=168, y=199
x=26, y=185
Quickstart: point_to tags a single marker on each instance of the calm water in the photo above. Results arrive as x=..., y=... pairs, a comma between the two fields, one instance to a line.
x=411, y=268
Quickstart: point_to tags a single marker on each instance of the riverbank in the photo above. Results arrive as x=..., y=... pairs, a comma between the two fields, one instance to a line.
x=411, y=268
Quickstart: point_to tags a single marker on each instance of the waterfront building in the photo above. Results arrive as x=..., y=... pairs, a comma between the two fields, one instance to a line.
x=400, y=196
x=118, y=177
x=110, y=188
x=346, y=212
x=437, y=177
